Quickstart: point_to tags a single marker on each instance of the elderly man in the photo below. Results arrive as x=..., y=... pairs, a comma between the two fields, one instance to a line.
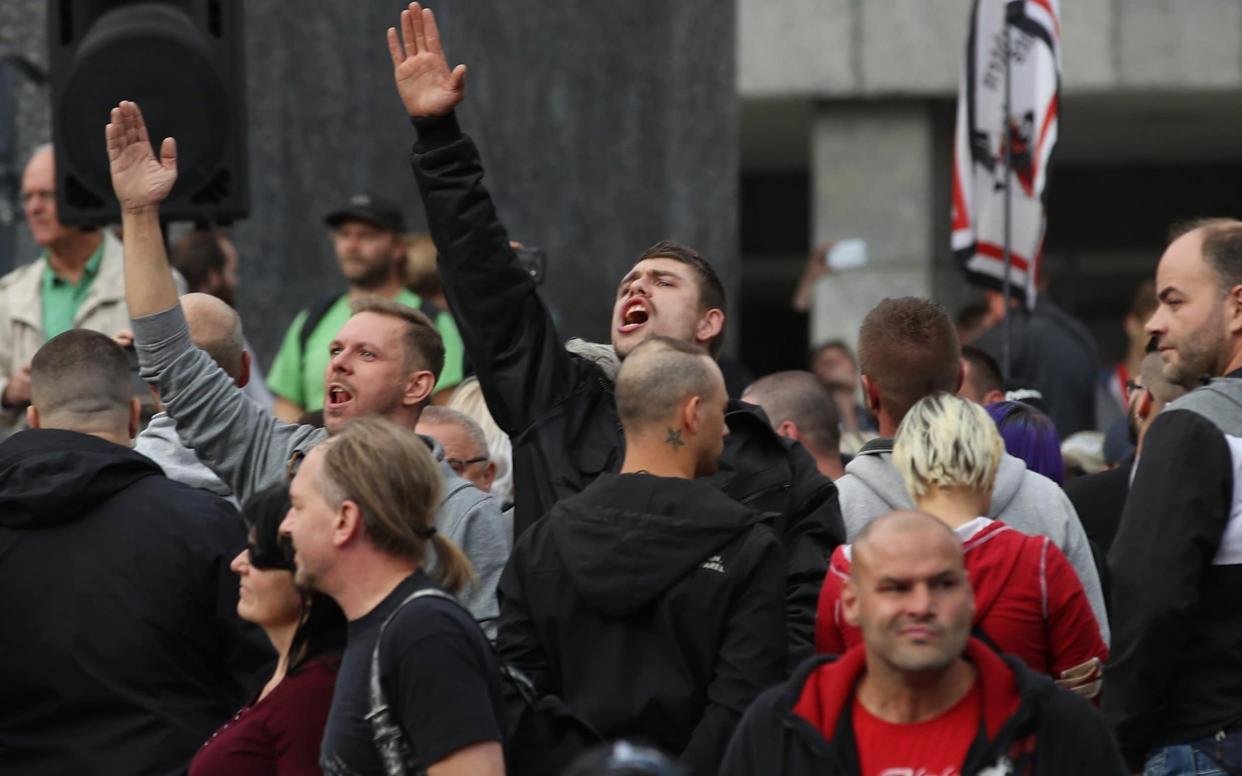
x=919, y=695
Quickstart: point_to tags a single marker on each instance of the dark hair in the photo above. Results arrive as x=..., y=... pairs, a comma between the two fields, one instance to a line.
x=909, y=349
x=985, y=374
x=1030, y=435
x=82, y=373
x=1144, y=301
x=196, y=254
x=323, y=626
x=711, y=290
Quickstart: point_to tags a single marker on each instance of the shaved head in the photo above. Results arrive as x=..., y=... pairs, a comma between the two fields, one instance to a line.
x=879, y=532
x=80, y=381
x=657, y=376
x=216, y=328
x=803, y=398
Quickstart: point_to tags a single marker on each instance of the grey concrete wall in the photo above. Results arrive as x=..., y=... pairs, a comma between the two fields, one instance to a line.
x=838, y=48
x=604, y=126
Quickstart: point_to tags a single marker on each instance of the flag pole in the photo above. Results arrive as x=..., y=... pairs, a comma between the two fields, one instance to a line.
x=1006, y=140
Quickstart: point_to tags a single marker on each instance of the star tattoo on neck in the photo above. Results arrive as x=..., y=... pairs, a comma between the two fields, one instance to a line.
x=674, y=439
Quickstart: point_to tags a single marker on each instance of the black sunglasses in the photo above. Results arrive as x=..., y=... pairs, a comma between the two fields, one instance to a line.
x=267, y=557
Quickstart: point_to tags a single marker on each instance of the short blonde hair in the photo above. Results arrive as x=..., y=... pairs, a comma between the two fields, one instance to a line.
x=947, y=441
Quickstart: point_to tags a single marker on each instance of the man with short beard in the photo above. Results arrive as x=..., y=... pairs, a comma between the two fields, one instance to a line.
x=919, y=695
x=367, y=237
x=1175, y=683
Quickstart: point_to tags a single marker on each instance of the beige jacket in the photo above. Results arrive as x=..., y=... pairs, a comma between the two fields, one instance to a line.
x=21, y=315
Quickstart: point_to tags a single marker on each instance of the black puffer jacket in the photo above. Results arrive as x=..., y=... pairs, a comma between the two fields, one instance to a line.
x=122, y=649
x=558, y=408
x=652, y=607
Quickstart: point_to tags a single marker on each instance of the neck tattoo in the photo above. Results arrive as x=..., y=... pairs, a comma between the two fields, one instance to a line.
x=673, y=439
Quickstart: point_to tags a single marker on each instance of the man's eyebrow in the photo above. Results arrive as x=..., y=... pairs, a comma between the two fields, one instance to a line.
x=1164, y=292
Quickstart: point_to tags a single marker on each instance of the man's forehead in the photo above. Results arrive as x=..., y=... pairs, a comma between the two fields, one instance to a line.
x=1183, y=264
x=371, y=327
x=657, y=265
x=909, y=553
x=40, y=170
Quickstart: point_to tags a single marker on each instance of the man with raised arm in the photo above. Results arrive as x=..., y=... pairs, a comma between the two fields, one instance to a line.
x=384, y=362
x=559, y=407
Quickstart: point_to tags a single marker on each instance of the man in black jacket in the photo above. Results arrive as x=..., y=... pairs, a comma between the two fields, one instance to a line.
x=558, y=408
x=919, y=695
x=122, y=647
x=653, y=571
x=1174, y=686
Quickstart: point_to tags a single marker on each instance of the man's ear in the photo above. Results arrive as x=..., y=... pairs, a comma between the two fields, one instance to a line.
x=849, y=602
x=135, y=417
x=789, y=429
x=489, y=475
x=243, y=377
x=690, y=409
x=709, y=326
x=1235, y=309
x=418, y=386
x=32, y=416
x=871, y=395
x=347, y=523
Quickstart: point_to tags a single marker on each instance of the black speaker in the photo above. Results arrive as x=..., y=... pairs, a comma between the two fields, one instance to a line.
x=182, y=62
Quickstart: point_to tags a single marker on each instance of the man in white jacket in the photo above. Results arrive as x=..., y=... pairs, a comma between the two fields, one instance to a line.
x=908, y=348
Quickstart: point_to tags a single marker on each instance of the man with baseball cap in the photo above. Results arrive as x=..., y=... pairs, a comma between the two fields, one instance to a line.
x=367, y=237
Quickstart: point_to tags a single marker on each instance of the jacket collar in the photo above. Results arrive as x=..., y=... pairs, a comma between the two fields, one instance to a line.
x=877, y=446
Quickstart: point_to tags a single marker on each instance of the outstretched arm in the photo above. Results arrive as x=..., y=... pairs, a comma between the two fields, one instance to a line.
x=424, y=81
x=141, y=183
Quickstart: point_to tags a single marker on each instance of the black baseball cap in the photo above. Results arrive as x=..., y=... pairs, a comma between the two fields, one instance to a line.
x=371, y=209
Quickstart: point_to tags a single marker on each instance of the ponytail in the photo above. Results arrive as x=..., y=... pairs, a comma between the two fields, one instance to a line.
x=452, y=570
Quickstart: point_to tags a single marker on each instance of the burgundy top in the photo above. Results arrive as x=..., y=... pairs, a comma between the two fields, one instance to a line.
x=279, y=734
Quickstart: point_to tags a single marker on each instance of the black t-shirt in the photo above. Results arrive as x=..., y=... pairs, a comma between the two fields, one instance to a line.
x=439, y=675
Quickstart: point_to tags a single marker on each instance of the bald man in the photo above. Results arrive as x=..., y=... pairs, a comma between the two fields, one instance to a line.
x=216, y=329
x=654, y=568
x=122, y=647
x=800, y=407
x=919, y=695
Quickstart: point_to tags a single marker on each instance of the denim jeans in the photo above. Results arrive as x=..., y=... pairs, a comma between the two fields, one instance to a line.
x=1181, y=760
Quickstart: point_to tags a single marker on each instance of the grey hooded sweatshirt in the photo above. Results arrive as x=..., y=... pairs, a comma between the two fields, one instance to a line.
x=1022, y=499
x=159, y=442
x=250, y=449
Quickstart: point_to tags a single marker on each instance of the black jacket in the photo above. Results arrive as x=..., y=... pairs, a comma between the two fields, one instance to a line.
x=1054, y=353
x=1176, y=669
x=1098, y=499
x=652, y=607
x=559, y=409
x=1038, y=728
x=122, y=649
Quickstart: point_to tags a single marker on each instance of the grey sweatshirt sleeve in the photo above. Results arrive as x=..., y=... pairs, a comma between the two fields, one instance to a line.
x=247, y=447
x=1078, y=551
x=471, y=519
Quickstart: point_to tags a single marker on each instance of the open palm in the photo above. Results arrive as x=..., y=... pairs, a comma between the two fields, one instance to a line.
x=424, y=81
x=138, y=178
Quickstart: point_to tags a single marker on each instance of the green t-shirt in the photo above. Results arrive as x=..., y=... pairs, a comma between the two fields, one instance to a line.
x=62, y=298
x=298, y=376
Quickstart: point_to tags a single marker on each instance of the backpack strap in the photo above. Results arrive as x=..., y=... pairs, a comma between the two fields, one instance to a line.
x=314, y=315
x=394, y=750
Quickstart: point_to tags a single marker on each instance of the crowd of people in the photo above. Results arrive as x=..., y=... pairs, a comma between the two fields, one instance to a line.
x=439, y=539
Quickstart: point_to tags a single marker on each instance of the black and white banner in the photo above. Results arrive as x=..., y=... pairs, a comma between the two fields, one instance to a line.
x=983, y=129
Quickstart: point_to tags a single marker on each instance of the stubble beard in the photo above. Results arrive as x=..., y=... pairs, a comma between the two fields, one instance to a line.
x=1199, y=354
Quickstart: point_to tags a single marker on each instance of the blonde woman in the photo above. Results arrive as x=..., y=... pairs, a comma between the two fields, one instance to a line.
x=1028, y=601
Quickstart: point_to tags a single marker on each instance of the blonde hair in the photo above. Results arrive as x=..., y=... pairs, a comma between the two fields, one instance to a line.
x=947, y=441
x=468, y=400
x=419, y=269
x=389, y=472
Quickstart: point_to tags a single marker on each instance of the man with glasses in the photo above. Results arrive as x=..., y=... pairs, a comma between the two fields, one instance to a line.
x=465, y=446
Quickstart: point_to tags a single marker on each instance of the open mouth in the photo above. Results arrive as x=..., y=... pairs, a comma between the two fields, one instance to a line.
x=337, y=397
x=633, y=315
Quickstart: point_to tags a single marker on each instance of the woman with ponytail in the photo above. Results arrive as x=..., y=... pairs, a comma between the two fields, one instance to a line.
x=279, y=731
x=363, y=529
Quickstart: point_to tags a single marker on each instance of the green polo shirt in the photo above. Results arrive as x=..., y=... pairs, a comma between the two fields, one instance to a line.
x=62, y=298
x=298, y=376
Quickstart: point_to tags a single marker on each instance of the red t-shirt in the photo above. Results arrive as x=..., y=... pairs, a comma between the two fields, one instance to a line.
x=936, y=747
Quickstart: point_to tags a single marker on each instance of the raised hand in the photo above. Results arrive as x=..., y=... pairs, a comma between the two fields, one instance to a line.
x=138, y=178
x=424, y=81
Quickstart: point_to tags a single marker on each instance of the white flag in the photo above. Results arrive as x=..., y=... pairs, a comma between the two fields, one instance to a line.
x=978, y=214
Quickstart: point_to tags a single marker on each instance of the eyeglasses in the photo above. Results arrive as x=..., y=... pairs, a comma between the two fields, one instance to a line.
x=267, y=557
x=459, y=466
x=1133, y=385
